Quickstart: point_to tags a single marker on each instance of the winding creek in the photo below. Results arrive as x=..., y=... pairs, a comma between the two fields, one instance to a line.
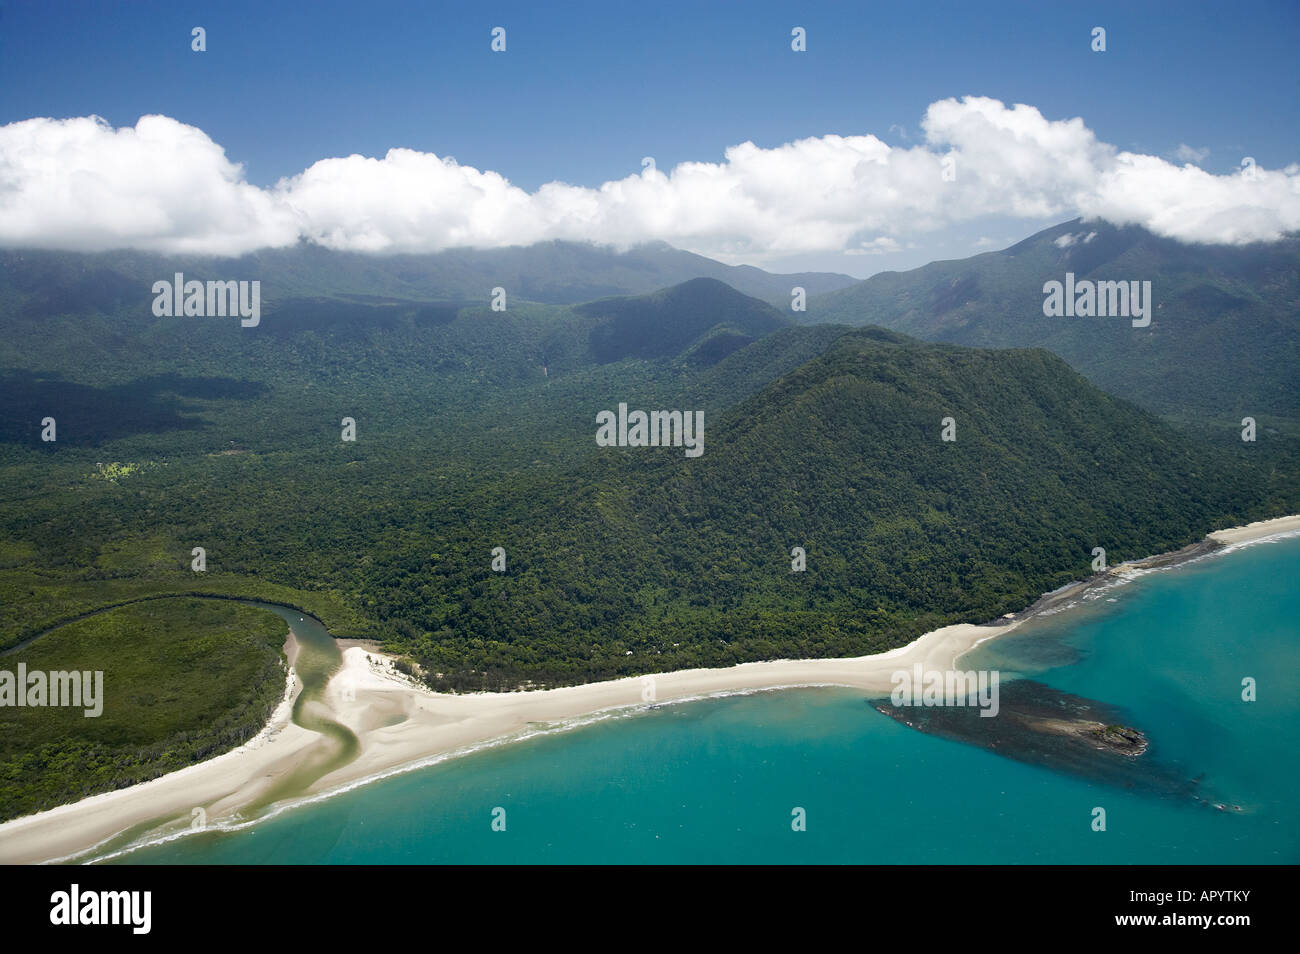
x=1169, y=650
x=317, y=658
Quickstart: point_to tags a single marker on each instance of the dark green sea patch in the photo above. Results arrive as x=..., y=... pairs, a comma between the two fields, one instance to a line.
x=1040, y=725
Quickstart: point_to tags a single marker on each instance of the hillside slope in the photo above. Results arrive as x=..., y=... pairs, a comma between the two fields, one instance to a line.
x=704, y=315
x=682, y=562
x=1224, y=337
x=475, y=429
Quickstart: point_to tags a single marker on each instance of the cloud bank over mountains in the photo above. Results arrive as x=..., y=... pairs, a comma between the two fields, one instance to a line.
x=164, y=186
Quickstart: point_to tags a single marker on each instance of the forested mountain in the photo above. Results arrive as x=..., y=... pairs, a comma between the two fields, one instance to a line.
x=704, y=315
x=682, y=563
x=50, y=283
x=476, y=429
x=1223, y=342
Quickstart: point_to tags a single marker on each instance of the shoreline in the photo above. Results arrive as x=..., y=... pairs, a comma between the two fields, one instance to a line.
x=403, y=726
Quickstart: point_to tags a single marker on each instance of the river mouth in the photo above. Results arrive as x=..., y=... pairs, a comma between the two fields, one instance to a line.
x=318, y=658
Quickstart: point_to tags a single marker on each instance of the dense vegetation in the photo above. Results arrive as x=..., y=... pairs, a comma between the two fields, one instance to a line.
x=689, y=317
x=646, y=560
x=184, y=680
x=1224, y=338
x=476, y=430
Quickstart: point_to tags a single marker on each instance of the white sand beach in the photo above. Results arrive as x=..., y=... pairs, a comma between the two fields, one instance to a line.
x=401, y=724
x=1257, y=531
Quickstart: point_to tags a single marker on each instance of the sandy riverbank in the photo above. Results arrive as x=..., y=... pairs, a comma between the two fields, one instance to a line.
x=401, y=724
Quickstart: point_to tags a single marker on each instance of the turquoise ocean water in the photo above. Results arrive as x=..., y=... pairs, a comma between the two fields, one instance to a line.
x=718, y=780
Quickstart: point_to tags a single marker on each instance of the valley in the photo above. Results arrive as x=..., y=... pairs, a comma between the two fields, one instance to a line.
x=925, y=484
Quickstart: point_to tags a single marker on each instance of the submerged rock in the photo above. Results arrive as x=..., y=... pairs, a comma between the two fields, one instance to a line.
x=1040, y=725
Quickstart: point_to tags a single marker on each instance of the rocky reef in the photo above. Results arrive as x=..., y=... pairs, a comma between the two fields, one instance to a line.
x=1040, y=725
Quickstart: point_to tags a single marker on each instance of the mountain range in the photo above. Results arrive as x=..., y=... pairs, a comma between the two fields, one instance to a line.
x=53, y=282
x=1223, y=342
x=475, y=430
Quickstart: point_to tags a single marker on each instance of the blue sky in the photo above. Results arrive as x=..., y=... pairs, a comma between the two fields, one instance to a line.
x=586, y=90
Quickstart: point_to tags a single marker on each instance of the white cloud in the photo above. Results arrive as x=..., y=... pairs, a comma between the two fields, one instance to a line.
x=1186, y=153
x=162, y=185
x=1190, y=204
x=80, y=184
x=878, y=246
